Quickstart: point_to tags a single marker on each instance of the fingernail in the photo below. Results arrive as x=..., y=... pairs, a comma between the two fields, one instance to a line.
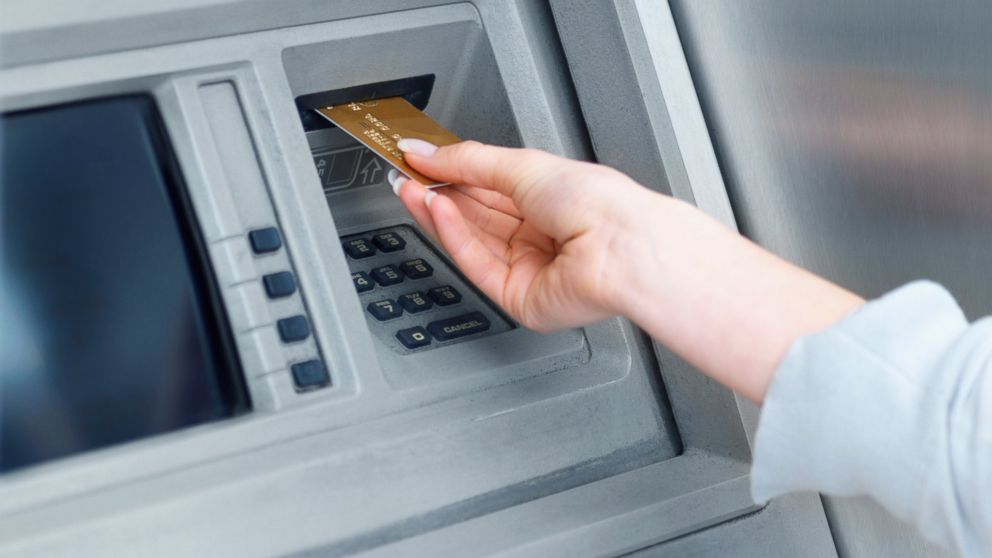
x=416, y=146
x=428, y=198
x=396, y=180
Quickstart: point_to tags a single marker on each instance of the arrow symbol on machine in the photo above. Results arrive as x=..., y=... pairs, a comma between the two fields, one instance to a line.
x=370, y=171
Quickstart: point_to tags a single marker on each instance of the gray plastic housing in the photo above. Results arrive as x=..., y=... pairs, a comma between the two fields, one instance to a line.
x=505, y=447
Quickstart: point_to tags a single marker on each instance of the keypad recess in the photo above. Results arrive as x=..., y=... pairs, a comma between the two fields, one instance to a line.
x=413, y=299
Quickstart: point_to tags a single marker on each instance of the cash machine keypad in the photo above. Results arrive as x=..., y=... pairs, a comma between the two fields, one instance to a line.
x=415, y=300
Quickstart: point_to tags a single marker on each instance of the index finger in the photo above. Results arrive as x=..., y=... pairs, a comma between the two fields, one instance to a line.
x=507, y=170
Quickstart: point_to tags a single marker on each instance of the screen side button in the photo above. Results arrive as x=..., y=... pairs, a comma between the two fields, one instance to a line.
x=294, y=328
x=264, y=241
x=459, y=326
x=279, y=285
x=310, y=374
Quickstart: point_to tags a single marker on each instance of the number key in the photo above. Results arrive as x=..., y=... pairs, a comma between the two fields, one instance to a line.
x=417, y=269
x=389, y=242
x=359, y=248
x=414, y=337
x=385, y=309
x=445, y=295
x=387, y=275
x=363, y=283
x=415, y=302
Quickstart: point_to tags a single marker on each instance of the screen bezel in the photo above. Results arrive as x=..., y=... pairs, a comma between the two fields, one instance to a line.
x=218, y=326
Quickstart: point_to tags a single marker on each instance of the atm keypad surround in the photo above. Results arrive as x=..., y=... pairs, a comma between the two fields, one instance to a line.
x=413, y=298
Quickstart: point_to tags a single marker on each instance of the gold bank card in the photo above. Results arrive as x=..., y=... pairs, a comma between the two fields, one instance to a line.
x=379, y=124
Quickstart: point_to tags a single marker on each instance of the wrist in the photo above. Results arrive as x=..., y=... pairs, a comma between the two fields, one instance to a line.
x=725, y=305
x=641, y=259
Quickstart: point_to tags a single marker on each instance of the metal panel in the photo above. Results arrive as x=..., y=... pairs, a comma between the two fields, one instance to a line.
x=644, y=118
x=855, y=139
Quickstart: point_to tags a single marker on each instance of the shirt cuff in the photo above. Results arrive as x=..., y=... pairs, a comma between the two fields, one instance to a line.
x=850, y=409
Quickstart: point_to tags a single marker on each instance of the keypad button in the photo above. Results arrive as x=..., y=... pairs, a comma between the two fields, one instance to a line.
x=417, y=269
x=295, y=328
x=445, y=295
x=414, y=337
x=389, y=242
x=359, y=248
x=387, y=275
x=384, y=310
x=363, y=283
x=415, y=302
x=279, y=285
x=265, y=240
x=311, y=374
x=459, y=326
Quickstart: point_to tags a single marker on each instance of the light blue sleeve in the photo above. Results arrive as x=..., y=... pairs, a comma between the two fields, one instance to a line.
x=894, y=402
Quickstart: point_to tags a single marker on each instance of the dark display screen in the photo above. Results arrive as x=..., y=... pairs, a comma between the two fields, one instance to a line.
x=111, y=325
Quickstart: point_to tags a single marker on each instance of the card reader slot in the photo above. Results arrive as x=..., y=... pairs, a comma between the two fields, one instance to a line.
x=416, y=90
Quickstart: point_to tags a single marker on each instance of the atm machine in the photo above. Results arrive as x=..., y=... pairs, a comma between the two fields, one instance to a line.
x=194, y=361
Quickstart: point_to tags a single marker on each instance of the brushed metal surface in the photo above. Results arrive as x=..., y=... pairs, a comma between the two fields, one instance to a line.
x=855, y=138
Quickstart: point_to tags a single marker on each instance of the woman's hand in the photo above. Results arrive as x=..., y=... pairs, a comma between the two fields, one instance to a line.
x=559, y=243
x=544, y=237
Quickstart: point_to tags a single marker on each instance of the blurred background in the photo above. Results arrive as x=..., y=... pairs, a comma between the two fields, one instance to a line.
x=855, y=138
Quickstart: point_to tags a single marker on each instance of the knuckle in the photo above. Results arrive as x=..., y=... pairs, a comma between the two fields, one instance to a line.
x=467, y=149
x=527, y=319
x=455, y=161
x=530, y=157
x=529, y=166
x=599, y=173
x=466, y=157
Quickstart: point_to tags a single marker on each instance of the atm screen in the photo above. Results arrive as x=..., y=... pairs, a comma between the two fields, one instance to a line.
x=111, y=325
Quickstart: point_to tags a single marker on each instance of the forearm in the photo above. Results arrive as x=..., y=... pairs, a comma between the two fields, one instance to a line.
x=893, y=402
x=729, y=307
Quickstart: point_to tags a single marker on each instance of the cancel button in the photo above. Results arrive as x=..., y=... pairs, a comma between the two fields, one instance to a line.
x=459, y=326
